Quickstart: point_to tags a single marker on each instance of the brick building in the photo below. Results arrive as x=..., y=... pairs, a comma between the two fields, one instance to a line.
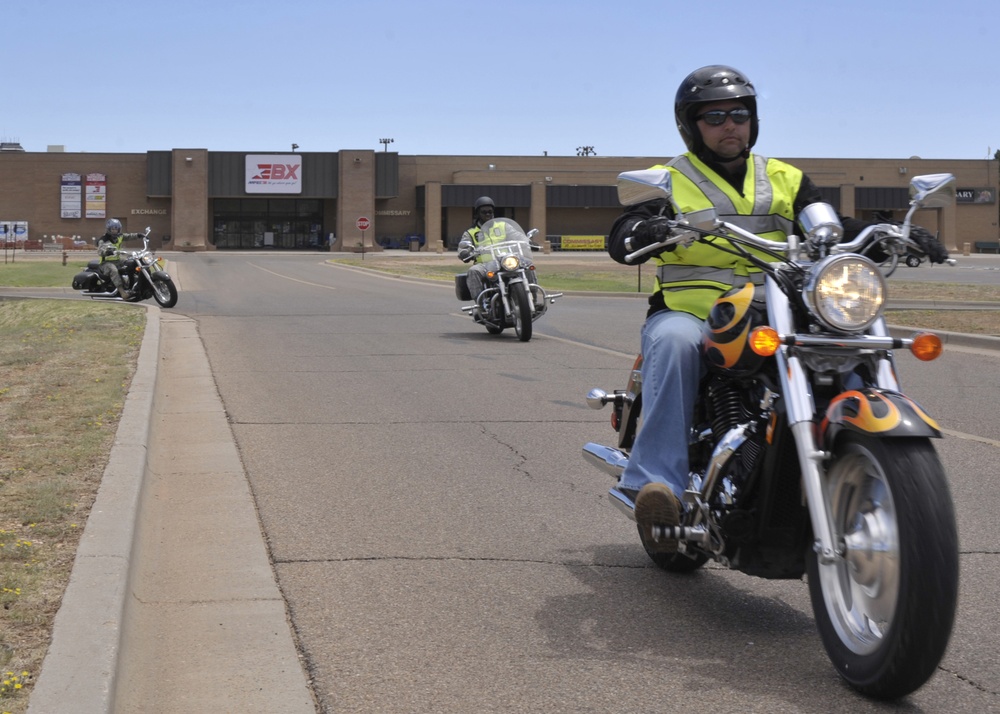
x=196, y=199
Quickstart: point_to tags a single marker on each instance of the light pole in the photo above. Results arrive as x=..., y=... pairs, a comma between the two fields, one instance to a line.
x=385, y=143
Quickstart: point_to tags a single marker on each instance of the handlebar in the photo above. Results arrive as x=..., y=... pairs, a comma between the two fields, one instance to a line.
x=690, y=233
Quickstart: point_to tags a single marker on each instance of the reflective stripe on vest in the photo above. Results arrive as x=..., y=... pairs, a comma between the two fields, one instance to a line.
x=691, y=278
x=677, y=273
x=761, y=220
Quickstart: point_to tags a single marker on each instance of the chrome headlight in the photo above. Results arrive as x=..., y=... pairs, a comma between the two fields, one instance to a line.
x=510, y=262
x=846, y=292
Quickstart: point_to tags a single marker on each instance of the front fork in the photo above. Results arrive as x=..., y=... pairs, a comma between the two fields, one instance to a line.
x=800, y=409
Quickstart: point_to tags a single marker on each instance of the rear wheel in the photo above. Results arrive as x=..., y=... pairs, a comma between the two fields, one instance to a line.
x=521, y=307
x=913, y=261
x=885, y=610
x=164, y=291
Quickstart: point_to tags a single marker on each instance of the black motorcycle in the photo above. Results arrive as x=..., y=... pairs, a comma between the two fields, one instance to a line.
x=141, y=272
x=511, y=295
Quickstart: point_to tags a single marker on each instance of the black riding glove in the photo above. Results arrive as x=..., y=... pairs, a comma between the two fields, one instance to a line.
x=936, y=252
x=650, y=231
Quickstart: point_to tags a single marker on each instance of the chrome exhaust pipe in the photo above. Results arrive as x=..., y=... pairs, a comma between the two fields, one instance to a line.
x=609, y=460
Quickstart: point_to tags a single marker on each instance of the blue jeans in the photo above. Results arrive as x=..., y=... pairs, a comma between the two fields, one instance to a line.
x=671, y=371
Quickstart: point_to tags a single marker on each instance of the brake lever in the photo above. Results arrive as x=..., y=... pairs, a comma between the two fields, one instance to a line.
x=686, y=237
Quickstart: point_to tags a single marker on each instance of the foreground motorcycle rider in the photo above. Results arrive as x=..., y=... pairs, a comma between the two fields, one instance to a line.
x=716, y=113
x=109, y=248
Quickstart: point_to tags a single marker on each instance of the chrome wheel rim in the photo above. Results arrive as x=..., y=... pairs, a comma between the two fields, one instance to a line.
x=861, y=589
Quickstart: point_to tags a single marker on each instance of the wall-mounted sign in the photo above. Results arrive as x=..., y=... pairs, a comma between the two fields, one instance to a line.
x=97, y=196
x=975, y=195
x=71, y=196
x=273, y=173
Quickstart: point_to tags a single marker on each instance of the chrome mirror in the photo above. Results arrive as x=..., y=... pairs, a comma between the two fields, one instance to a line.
x=933, y=190
x=636, y=187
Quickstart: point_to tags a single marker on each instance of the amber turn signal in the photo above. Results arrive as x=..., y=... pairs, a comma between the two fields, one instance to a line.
x=926, y=346
x=764, y=341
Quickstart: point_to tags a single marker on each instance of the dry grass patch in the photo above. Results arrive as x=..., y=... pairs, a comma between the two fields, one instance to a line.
x=66, y=370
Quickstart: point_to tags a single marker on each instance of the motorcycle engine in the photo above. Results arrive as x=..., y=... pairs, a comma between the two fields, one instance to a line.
x=730, y=404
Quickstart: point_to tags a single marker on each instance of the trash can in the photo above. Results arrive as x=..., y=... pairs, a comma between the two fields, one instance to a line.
x=414, y=245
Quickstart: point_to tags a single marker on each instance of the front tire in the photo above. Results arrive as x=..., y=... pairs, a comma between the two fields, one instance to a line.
x=885, y=610
x=913, y=261
x=521, y=307
x=164, y=291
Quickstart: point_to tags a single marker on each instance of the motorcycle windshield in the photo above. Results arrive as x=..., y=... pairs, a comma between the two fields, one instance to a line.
x=502, y=236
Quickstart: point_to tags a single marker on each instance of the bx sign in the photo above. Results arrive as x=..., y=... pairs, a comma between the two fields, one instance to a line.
x=273, y=173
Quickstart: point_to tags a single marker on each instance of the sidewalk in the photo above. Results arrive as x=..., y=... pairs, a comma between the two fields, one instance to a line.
x=149, y=623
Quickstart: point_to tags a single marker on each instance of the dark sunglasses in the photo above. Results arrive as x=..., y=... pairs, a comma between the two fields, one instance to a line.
x=717, y=117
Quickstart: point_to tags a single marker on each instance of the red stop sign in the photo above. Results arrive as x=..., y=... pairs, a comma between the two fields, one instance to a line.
x=363, y=223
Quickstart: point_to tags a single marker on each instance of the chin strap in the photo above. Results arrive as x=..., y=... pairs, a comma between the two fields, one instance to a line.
x=710, y=157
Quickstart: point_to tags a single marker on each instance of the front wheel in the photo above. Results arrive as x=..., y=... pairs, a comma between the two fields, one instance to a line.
x=164, y=290
x=885, y=610
x=913, y=261
x=521, y=307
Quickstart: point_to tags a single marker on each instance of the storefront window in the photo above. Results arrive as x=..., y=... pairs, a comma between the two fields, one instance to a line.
x=271, y=224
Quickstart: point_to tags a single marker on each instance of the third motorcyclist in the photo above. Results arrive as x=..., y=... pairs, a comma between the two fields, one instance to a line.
x=482, y=211
x=715, y=109
x=109, y=247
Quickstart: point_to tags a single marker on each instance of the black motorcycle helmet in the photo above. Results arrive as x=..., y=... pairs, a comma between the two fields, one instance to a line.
x=712, y=84
x=480, y=202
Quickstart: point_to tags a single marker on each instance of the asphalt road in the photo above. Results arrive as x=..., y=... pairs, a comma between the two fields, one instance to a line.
x=442, y=547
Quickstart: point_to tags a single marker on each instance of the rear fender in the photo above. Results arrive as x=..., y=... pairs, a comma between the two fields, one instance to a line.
x=880, y=412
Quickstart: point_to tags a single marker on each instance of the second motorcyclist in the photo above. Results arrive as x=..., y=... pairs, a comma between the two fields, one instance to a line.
x=473, y=239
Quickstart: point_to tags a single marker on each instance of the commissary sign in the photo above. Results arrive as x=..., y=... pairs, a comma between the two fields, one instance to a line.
x=273, y=173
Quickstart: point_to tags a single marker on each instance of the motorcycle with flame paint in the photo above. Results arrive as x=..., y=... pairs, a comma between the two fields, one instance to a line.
x=805, y=457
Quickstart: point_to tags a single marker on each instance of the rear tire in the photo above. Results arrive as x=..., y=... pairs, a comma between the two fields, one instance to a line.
x=521, y=307
x=885, y=611
x=164, y=291
x=913, y=261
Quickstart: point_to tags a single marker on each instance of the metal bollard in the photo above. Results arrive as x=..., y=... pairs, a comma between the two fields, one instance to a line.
x=65, y=255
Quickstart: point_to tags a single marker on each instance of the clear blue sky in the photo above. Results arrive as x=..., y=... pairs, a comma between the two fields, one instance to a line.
x=844, y=79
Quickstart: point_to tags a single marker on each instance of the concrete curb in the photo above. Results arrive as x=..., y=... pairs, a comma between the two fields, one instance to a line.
x=79, y=670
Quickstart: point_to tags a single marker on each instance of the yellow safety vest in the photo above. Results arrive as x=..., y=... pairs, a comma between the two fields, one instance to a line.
x=497, y=234
x=691, y=278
